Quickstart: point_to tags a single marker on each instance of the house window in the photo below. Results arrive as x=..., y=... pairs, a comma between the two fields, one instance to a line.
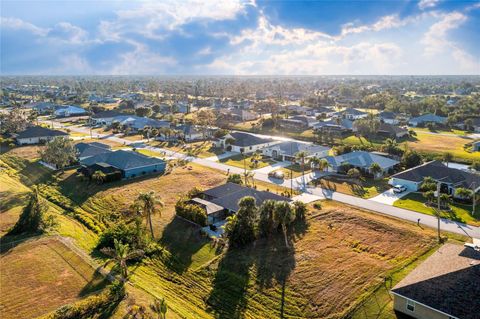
x=410, y=305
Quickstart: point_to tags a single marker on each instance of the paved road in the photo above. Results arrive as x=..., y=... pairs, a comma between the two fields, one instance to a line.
x=300, y=182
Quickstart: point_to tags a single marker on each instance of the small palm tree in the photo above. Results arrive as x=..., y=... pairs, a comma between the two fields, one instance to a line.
x=314, y=162
x=284, y=215
x=99, y=177
x=445, y=200
x=301, y=156
x=120, y=255
x=429, y=196
x=463, y=193
x=148, y=204
x=447, y=157
x=375, y=169
x=323, y=165
x=159, y=307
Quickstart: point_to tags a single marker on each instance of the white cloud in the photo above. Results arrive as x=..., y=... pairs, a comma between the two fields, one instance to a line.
x=384, y=23
x=436, y=39
x=425, y=4
x=18, y=24
x=68, y=32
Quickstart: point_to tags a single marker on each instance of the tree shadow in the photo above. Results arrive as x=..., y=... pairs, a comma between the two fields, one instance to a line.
x=11, y=199
x=96, y=283
x=182, y=240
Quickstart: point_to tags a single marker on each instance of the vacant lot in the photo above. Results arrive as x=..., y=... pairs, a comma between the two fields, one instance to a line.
x=336, y=259
x=40, y=275
x=459, y=212
x=247, y=161
x=366, y=188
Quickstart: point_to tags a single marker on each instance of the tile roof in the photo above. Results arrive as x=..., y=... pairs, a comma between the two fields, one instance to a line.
x=448, y=281
x=438, y=171
x=39, y=131
x=122, y=159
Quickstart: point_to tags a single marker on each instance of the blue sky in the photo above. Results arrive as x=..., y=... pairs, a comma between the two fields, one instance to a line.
x=67, y=37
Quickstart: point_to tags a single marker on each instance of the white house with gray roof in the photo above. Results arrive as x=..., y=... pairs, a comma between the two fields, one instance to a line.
x=242, y=142
x=286, y=151
x=361, y=160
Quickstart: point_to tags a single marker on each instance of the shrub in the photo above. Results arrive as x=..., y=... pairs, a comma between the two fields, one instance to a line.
x=121, y=232
x=191, y=212
x=300, y=210
x=235, y=178
x=317, y=205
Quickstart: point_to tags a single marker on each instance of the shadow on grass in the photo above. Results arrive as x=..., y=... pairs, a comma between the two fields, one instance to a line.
x=12, y=199
x=182, y=240
x=96, y=283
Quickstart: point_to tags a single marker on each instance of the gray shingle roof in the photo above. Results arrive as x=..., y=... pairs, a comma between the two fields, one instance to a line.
x=39, y=131
x=448, y=281
x=91, y=149
x=291, y=148
x=122, y=159
x=428, y=118
x=361, y=159
x=438, y=171
x=246, y=139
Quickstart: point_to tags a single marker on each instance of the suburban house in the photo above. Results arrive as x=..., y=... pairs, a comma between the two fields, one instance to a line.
x=351, y=114
x=388, y=117
x=43, y=108
x=295, y=109
x=222, y=200
x=476, y=146
x=193, y=132
x=36, y=135
x=392, y=131
x=137, y=123
x=338, y=126
x=104, y=117
x=323, y=111
x=286, y=151
x=445, y=286
x=243, y=115
x=125, y=164
x=69, y=110
x=450, y=178
x=475, y=124
x=422, y=120
x=85, y=150
x=361, y=160
x=242, y=142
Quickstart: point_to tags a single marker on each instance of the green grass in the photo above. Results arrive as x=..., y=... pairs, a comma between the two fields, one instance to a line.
x=239, y=161
x=459, y=212
x=295, y=170
x=366, y=188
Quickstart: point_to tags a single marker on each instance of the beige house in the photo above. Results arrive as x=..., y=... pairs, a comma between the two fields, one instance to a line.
x=445, y=286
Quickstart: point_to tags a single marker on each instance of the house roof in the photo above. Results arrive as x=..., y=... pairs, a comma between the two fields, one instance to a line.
x=122, y=159
x=438, y=171
x=428, y=118
x=292, y=147
x=39, y=131
x=210, y=207
x=106, y=114
x=447, y=281
x=392, y=129
x=361, y=159
x=229, y=194
x=387, y=115
x=90, y=149
x=352, y=111
x=70, y=109
x=140, y=122
x=342, y=123
x=246, y=139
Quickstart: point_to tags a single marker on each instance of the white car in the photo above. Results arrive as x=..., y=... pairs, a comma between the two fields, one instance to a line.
x=399, y=189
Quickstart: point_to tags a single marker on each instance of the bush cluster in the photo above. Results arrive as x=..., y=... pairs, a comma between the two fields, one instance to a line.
x=191, y=212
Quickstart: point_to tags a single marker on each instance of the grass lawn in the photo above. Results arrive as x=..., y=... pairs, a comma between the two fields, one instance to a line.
x=459, y=212
x=334, y=261
x=239, y=161
x=451, y=131
x=38, y=276
x=201, y=149
x=367, y=188
x=296, y=169
x=27, y=152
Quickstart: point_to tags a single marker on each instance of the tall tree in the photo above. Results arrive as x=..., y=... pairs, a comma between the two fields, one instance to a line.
x=148, y=204
x=120, y=255
x=60, y=152
x=375, y=169
x=266, y=222
x=302, y=156
x=447, y=157
x=284, y=215
x=240, y=228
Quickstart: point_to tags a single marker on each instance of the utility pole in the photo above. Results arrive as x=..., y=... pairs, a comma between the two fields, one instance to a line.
x=291, y=171
x=438, y=210
x=474, y=198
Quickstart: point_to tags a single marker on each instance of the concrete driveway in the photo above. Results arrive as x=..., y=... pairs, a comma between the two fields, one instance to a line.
x=388, y=197
x=273, y=167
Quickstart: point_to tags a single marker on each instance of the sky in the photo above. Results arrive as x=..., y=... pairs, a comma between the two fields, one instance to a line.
x=237, y=37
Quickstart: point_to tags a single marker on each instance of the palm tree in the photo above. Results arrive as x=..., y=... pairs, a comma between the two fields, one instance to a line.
x=120, y=255
x=302, y=156
x=447, y=157
x=464, y=193
x=445, y=199
x=255, y=158
x=284, y=215
x=159, y=307
x=323, y=165
x=375, y=169
x=148, y=204
x=429, y=196
x=314, y=162
x=99, y=177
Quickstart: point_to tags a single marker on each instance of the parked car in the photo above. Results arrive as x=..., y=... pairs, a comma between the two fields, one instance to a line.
x=399, y=189
x=276, y=174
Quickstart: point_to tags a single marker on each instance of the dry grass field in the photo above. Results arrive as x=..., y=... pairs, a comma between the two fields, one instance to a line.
x=38, y=276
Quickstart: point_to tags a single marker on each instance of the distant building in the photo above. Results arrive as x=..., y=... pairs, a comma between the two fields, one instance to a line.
x=445, y=286
x=244, y=142
x=69, y=110
x=37, y=135
x=243, y=115
x=388, y=117
x=128, y=164
x=137, y=123
x=427, y=118
x=392, y=131
x=104, y=117
x=361, y=160
x=286, y=151
x=476, y=146
x=351, y=114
